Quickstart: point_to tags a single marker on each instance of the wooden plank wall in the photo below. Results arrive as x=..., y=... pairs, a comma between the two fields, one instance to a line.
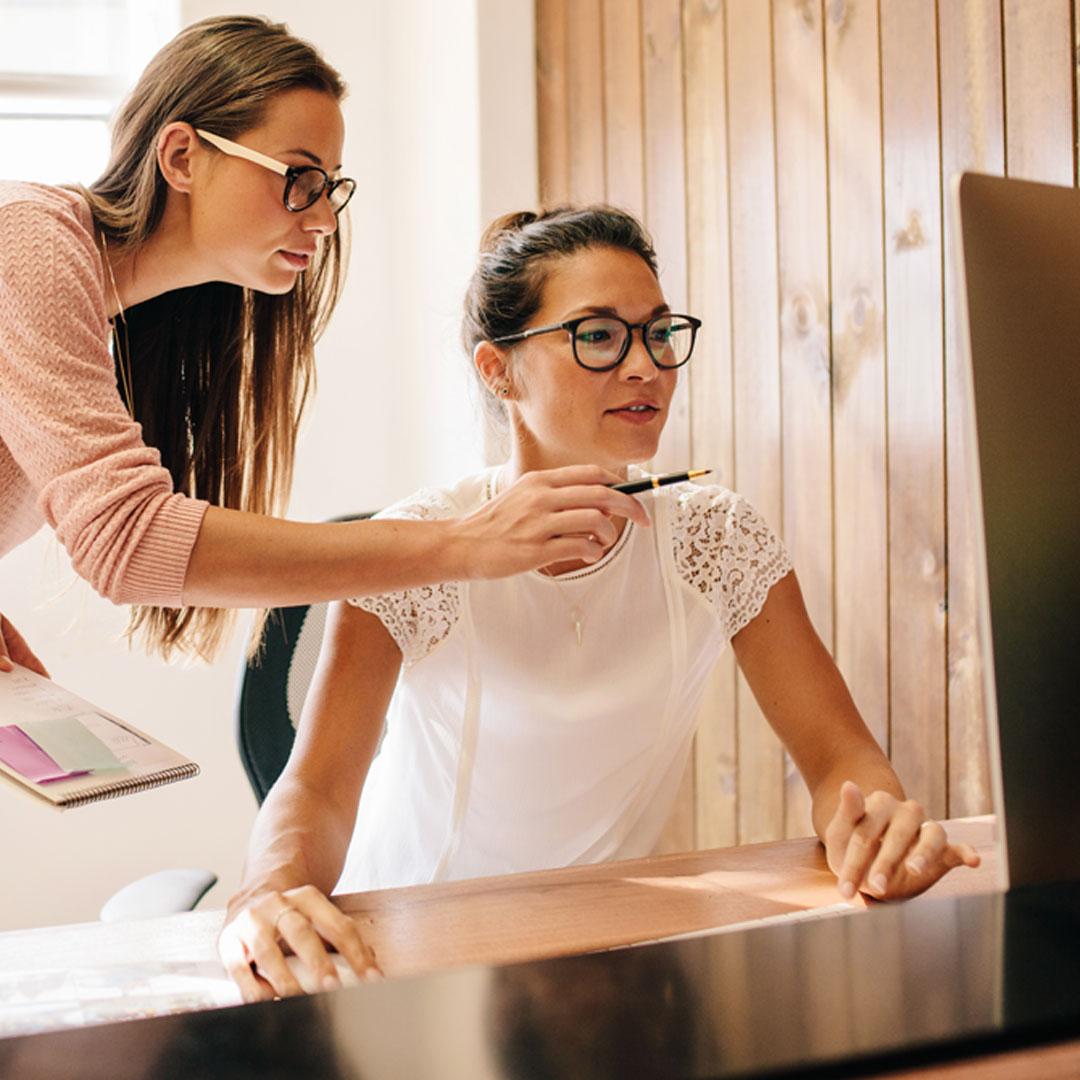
x=792, y=159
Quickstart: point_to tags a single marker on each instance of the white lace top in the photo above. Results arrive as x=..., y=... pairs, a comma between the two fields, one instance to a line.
x=543, y=722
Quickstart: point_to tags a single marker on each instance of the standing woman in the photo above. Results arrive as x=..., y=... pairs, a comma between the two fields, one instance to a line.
x=156, y=351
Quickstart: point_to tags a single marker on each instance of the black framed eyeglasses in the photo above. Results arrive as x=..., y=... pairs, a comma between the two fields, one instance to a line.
x=601, y=342
x=304, y=184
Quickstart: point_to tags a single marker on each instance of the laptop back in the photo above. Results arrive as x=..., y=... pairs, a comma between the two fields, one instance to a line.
x=1020, y=257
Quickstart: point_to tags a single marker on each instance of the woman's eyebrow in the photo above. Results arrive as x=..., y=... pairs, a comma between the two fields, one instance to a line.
x=607, y=309
x=313, y=158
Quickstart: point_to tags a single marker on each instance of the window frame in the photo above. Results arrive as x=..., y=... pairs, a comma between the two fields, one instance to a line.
x=48, y=96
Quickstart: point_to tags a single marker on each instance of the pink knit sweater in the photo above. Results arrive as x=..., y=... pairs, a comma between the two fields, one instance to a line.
x=69, y=453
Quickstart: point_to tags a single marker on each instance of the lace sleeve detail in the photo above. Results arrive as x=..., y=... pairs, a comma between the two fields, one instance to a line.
x=419, y=618
x=725, y=549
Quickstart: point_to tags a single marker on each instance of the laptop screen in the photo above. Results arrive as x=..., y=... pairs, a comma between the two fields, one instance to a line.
x=1020, y=251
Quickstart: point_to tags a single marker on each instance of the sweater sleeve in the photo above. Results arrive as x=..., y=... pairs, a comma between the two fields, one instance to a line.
x=99, y=486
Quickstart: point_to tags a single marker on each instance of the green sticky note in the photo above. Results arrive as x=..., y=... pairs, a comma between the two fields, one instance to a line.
x=71, y=744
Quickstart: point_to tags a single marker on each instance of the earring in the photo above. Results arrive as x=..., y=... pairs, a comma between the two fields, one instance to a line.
x=505, y=391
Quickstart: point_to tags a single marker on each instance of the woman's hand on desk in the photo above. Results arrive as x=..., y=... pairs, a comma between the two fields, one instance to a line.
x=13, y=648
x=260, y=929
x=887, y=848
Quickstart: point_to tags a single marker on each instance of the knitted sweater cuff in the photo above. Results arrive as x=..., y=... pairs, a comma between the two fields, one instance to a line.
x=157, y=568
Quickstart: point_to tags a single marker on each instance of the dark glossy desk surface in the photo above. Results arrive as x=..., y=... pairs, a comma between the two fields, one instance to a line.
x=892, y=987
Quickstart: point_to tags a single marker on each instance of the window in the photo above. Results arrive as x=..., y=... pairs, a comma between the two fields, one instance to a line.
x=64, y=67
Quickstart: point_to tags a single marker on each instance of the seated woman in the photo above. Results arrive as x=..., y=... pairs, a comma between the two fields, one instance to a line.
x=545, y=719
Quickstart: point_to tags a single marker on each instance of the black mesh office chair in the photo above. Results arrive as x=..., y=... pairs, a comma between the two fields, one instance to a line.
x=270, y=693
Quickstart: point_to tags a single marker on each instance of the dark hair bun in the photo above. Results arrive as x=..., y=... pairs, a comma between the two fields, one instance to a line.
x=514, y=222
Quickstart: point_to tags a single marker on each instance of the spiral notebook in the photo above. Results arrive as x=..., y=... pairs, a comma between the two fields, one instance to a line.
x=70, y=752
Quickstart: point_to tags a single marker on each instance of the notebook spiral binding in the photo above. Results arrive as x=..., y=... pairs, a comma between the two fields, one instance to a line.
x=129, y=786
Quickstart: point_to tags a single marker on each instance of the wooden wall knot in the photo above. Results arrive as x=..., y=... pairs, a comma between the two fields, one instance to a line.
x=807, y=11
x=839, y=10
x=804, y=313
x=911, y=235
x=803, y=320
x=860, y=311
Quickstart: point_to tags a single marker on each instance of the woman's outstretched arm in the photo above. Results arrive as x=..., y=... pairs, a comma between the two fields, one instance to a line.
x=245, y=560
x=876, y=839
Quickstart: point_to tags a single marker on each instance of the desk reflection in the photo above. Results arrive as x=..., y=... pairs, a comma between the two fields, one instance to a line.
x=636, y=1013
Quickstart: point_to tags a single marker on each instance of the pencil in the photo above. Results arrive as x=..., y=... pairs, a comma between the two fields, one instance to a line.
x=632, y=487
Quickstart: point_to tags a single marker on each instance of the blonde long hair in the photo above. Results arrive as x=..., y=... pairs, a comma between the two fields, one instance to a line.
x=223, y=372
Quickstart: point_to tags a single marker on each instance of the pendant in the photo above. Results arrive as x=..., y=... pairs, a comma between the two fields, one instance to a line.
x=577, y=616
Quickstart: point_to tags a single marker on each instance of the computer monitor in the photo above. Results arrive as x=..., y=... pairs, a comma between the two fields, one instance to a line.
x=1019, y=250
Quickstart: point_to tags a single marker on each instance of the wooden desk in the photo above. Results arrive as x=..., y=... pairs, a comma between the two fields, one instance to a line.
x=553, y=913
x=550, y=913
x=519, y=917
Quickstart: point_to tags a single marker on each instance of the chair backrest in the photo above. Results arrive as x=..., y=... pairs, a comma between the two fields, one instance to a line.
x=272, y=687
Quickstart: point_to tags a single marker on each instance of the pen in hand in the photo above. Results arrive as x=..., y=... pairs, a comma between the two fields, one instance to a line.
x=632, y=487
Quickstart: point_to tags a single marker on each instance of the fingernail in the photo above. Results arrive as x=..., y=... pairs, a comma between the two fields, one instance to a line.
x=916, y=865
x=373, y=975
x=331, y=982
x=847, y=889
x=879, y=883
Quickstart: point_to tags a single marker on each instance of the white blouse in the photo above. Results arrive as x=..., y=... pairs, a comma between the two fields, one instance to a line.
x=542, y=722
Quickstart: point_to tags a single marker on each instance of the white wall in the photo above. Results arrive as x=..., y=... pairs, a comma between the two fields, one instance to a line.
x=394, y=409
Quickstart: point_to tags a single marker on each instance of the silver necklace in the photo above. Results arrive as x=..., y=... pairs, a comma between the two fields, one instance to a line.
x=576, y=609
x=123, y=354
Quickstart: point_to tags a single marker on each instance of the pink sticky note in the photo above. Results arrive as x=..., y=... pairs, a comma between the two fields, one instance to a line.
x=24, y=755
